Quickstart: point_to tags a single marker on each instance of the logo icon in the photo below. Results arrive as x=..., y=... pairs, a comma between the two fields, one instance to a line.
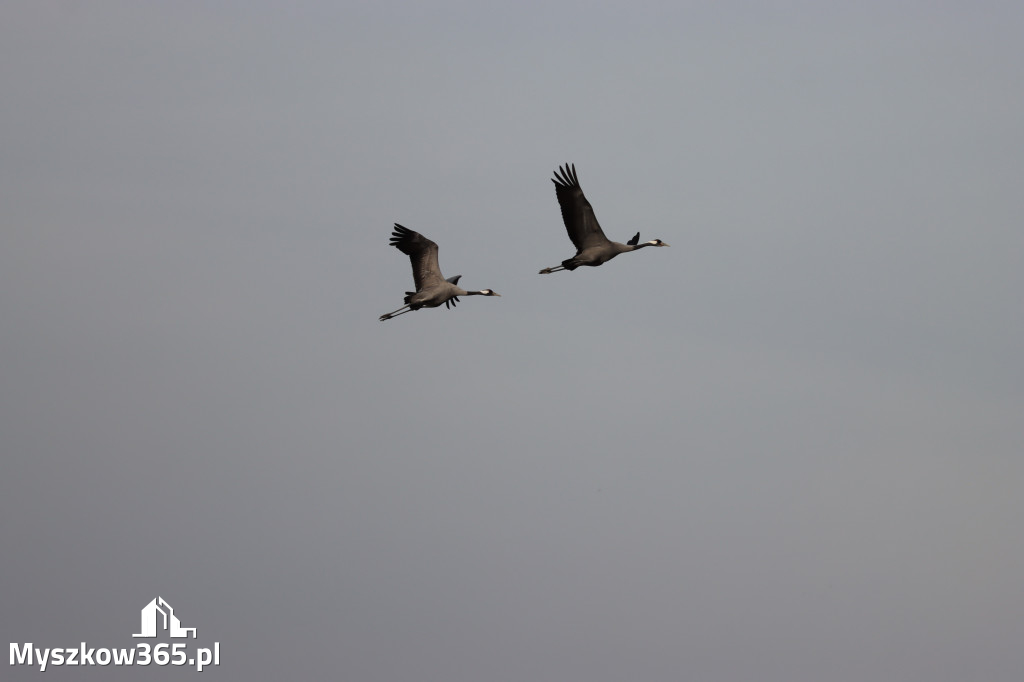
x=171, y=623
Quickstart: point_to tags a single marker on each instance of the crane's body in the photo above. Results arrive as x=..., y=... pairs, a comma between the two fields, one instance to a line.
x=432, y=290
x=592, y=247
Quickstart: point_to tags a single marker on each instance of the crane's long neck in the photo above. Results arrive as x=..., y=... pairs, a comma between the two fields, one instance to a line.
x=634, y=247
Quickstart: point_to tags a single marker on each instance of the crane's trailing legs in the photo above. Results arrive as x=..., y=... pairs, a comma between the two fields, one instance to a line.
x=554, y=268
x=395, y=313
x=408, y=308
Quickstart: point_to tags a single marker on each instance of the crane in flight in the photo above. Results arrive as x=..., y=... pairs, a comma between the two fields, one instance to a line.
x=592, y=247
x=432, y=289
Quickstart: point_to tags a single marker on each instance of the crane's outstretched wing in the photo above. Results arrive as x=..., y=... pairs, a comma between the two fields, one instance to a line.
x=577, y=213
x=423, y=254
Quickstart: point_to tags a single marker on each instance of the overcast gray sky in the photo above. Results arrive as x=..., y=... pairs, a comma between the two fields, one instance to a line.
x=787, y=448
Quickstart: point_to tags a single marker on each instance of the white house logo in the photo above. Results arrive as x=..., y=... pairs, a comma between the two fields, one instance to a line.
x=158, y=619
x=159, y=612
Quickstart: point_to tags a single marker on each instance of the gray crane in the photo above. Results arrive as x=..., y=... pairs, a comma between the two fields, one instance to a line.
x=592, y=247
x=431, y=289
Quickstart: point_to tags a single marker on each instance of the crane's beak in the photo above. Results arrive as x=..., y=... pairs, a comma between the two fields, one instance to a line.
x=664, y=244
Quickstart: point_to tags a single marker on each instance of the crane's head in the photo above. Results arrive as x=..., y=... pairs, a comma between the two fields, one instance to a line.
x=656, y=242
x=488, y=292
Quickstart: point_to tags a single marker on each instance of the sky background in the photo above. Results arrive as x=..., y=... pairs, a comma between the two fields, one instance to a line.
x=787, y=448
